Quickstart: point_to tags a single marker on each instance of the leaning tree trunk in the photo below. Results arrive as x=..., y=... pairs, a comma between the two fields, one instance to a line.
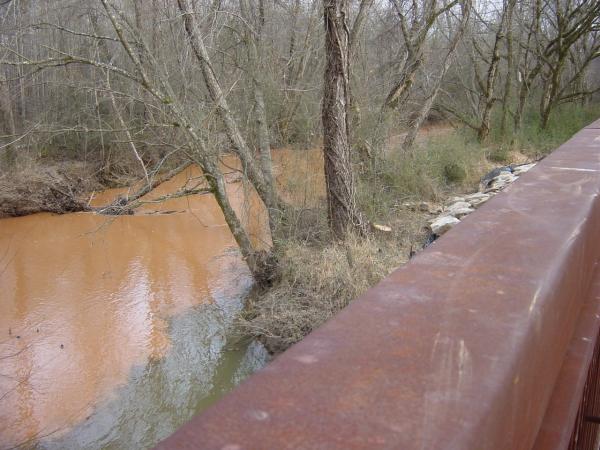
x=253, y=40
x=484, y=127
x=551, y=91
x=265, y=190
x=524, y=90
x=425, y=109
x=343, y=214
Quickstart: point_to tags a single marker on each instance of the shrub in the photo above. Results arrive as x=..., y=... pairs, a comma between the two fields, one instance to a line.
x=454, y=172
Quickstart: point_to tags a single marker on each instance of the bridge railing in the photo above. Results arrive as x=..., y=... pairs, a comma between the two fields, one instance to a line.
x=485, y=340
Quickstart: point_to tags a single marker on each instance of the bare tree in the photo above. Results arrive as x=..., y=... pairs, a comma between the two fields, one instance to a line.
x=253, y=37
x=454, y=39
x=568, y=24
x=342, y=209
x=489, y=88
x=488, y=34
x=416, y=21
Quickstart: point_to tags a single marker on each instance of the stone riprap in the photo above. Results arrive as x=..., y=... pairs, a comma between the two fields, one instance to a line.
x=459, y=207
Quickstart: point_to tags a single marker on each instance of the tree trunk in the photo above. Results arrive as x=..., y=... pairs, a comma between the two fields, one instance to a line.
x=343, y=214
x=7, y=124
x=506, y=100
x=418, y=121
x=416, y=124
x=492, y=75
x=551, y=89
x=523, y=93
x=253, y=44
x=251, y=169
x=488, y=103
x=526, y=83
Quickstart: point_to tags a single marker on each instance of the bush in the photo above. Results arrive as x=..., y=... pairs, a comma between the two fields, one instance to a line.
x=453, y=161
x=499, y=154
x=454, y=172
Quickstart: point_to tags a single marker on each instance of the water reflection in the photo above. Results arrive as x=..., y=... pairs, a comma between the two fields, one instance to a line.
x=85, y=298
x=162, y=394
x=113, y=331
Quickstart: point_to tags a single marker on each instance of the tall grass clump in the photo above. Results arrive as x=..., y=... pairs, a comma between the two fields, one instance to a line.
x=315, y=283
x=452, y=162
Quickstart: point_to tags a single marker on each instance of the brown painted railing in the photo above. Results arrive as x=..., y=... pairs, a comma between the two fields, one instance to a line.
x=488, y=339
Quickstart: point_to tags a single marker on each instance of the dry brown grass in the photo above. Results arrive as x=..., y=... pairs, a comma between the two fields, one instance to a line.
x=318, y=280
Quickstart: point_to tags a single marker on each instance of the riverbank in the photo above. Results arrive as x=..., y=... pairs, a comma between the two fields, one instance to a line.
x=160, y=293
x=57, y=188
x=403, y=193
x=399, y=194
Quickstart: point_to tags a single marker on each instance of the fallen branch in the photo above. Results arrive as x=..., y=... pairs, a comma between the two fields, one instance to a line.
x=127, y=208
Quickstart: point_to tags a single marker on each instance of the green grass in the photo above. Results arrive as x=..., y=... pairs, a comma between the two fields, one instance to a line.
x=452, y=161
x=455, y=161
x=564, y=122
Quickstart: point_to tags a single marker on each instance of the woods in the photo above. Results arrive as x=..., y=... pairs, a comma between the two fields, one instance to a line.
x=188, y=187
x=134, y=89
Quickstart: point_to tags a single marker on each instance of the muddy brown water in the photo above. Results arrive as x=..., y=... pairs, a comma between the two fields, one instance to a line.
x=114, y=331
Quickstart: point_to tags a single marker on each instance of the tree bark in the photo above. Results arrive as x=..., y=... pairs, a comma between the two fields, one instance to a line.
x=343, y=214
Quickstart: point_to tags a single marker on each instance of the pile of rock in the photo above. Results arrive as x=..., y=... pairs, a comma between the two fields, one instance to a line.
x=491, y=184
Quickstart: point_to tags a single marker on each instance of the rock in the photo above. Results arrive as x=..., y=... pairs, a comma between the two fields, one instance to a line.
x=459, y=213
x=430, y=208
x=487, y=179
x=457, y=205
x=475, y=195
x=456, y=199
x=458, y=209
x=430, y=239
x=518, y=170
x=379, y=227
x=477, y=199
x=442, y=224
x=501, y=181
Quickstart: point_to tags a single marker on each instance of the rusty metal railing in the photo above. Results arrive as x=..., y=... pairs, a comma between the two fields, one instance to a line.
x=572, y=418
x=587, y=426
x=487, y=340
